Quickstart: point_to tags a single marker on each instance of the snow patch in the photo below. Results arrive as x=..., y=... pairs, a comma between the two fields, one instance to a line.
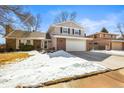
x=42, y=68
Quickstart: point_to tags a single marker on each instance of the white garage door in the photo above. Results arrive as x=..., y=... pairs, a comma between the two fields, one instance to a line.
x=75, y=45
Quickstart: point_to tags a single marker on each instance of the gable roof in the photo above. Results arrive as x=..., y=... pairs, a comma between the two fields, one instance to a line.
x=69, y=24
x=25, y=34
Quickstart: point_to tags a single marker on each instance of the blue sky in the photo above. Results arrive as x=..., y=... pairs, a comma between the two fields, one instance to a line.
x=85, y=14
x=92, y=17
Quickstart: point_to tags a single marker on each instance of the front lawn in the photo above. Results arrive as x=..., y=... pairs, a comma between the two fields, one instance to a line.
x=11, y=57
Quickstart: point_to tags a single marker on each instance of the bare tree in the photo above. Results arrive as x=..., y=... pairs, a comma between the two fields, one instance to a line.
x=73, y=16
x=65, y=16
x=120, y=28
x=38, y=22
x=33, y=23
x=8, y=11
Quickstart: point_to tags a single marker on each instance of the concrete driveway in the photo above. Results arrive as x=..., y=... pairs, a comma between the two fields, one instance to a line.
x=91, y=56
x=110, y=61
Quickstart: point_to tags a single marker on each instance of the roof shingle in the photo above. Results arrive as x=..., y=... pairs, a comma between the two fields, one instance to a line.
x=26, y=34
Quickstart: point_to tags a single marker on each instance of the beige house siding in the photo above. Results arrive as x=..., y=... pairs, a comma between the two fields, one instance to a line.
x=70, y=24
x=54, y=43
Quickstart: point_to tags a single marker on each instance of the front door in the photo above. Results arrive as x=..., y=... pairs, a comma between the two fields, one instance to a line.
x=37, y=44
x=61, y=44
x=122, y=45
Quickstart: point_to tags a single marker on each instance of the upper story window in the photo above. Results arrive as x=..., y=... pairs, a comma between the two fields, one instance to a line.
x=65, y=30
x=60, y=29
x=68, y=30
x=77, y=32
x=73, y=31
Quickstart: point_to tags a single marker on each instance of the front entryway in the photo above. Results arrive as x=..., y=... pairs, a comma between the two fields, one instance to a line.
x=37, y=44
x=61, y=44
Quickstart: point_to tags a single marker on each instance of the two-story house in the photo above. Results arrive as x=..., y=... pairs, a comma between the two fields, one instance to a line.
x=68, y=36
x=101, y=40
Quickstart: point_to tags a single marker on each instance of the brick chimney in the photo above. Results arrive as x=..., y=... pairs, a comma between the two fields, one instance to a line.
x=8, y=29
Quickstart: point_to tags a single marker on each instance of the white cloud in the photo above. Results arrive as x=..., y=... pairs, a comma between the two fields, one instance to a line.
x=110, y=22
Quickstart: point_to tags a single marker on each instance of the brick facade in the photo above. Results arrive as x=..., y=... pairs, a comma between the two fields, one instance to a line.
x=11, y=44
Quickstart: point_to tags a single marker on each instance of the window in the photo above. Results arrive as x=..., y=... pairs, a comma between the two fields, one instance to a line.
x=76, y=32
x=28, y=42
x=73, y=31
x=65, y=30
x=79, y=32
x=19, y=41
x=68, y=30
x=60, y=29
x=95, y=36
x=45, y=44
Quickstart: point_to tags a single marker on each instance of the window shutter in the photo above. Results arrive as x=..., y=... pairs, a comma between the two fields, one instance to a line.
x=79, y=32
x=73, y=31
x=68, y=30
x=60, y=29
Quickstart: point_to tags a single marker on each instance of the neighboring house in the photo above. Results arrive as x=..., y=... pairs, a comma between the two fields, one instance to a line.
x=101, y=40
x=68, y=36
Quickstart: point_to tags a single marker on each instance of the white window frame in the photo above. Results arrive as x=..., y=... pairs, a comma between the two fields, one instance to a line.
x=65, y=31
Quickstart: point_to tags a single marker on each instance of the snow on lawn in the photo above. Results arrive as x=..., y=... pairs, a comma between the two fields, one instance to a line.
x=112, y=52
x=42, y=68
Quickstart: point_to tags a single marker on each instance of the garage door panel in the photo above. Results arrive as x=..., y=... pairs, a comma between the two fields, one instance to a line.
x=117, y=46
x=75, y=45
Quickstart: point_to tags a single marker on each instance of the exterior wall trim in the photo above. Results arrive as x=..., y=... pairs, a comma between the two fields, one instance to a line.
x=73, y=37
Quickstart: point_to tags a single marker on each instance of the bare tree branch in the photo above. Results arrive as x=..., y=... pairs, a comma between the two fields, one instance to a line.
x=65, y=16
x=73, y=16
x=120, y=28
x=34, y=22
x=7, y=12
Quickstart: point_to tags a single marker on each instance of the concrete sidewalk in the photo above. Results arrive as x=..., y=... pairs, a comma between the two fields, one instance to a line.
x=112, y=79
